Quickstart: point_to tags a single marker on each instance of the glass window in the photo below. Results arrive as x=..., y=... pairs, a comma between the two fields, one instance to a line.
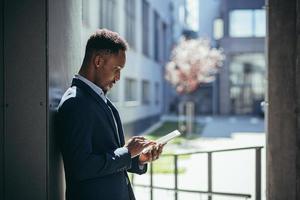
x=145, y=92
x=130, y=22
x=247, y=23
x=247, y=82
x=260, y=23
x=157, y=93
x=145, y=9
x=240, y=23
x=165, y=43
x=85, y=13
x=156, y=36
x=130, y=89
x=218, y=29
x=108, y=14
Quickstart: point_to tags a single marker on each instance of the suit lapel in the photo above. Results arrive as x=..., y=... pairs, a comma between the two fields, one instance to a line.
x=104, y=106
x=118, y=121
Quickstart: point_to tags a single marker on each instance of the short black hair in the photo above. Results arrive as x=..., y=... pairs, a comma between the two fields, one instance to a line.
x=106, y=41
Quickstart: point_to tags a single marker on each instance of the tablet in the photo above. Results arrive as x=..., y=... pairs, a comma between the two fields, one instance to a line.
x=164, y=140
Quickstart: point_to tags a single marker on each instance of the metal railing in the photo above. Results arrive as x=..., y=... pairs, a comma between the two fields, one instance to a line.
x=210, y=193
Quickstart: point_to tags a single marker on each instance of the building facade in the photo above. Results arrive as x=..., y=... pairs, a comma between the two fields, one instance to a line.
x=239, y=28
x=146, y=25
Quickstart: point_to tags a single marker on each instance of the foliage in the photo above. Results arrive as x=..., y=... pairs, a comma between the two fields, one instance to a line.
x=193, y=62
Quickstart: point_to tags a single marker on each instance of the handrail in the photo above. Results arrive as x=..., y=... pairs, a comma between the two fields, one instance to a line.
x=214, y=151
x=209, y=192
x=199, y=191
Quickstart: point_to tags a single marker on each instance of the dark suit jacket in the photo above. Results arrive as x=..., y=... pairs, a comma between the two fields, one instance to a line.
x=95, y=163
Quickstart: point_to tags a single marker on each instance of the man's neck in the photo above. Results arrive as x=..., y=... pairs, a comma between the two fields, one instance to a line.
x=89, y=76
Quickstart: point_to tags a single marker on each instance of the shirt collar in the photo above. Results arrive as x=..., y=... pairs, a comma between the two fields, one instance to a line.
x=94, y=87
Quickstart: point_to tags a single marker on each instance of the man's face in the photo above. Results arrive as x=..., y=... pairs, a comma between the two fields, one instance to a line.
x=110, y=72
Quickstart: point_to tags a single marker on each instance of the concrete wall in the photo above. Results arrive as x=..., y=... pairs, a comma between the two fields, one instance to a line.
x=283, y=147
x=25, y=66
x=1, y=104
x=209, y=10
x=40, y=45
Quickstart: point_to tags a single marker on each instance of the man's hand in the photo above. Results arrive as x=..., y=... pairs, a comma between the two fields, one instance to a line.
x=152, y=154
x=137, y=144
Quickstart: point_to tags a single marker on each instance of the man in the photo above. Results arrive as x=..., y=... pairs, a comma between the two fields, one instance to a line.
x=96, y=159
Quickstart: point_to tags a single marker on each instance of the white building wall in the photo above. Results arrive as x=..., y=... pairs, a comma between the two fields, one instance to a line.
x=138, y=66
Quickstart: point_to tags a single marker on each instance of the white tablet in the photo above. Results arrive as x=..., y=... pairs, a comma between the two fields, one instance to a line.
x=164, y=140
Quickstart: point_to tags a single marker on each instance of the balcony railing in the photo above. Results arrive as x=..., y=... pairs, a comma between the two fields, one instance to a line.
x=209, y=192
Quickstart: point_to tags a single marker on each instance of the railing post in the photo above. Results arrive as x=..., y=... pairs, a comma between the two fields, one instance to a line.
x=209, y=178
x=176, y=175
x=258, y=174
x=151, y=181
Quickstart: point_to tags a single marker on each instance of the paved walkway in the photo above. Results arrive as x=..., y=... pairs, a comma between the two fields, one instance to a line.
x=225, y=126
x=232, y=171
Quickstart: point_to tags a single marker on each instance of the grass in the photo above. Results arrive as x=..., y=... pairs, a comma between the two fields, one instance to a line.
x=165, y=165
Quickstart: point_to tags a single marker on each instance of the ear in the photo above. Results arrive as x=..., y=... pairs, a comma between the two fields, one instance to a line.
x=98, y=61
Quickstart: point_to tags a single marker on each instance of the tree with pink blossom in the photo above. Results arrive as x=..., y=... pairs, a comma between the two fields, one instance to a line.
x=193, y=62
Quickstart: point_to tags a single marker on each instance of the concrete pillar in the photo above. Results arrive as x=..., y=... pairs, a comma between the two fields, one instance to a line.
x=1, y=104
x=283, y=146
x=25, y=67
x=224, y=86
x=40, y=50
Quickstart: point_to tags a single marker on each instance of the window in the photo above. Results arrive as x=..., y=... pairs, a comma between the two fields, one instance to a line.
x=145, y=92
x=130, y=22
x=156, y=36
x=145, y=30
x=157, y=93
x=130, y=89
x=113, y=94
x=218, y=29
x=260, y=23
x=247, y=82
x=247, y=23
x=108, y=14
x=85, y=13
x=165, y=43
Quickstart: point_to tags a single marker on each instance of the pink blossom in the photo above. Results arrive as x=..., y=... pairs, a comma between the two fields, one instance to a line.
x=193, y=62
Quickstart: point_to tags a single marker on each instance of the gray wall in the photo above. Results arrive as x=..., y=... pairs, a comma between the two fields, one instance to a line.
x=25, y=64
x=1, y=104
x=208, y=11
x=40, y=50
x=283, y=147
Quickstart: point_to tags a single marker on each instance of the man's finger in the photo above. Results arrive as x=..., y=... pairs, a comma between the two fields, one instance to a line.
x=147, y=143
x=138, y=138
